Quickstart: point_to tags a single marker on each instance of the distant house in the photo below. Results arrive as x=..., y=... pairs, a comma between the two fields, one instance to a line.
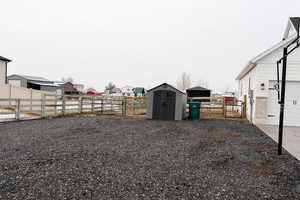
x=79, y=87
x=198, y=92
x=139, y=91
x=127, y=91
x=3, y=69
x=33, y=82
x=69, y=89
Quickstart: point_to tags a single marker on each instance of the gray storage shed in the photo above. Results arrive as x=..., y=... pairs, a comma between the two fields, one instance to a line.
x=165, y=102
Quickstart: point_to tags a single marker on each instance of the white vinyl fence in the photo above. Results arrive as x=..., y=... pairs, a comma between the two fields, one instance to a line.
x=54, y=105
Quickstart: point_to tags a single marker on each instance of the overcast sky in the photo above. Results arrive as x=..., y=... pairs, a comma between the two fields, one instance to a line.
x=139, y=42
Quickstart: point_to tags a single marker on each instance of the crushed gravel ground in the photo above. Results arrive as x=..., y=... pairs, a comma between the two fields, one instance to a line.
x=111, y=157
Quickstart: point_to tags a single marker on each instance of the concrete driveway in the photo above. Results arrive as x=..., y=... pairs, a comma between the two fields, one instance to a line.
x=291, y=137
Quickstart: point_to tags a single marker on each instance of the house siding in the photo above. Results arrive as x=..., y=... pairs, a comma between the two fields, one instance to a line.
x=244, y=88
x=3, y=72
x=265, y=72
x=266, y=69
x=16, y=77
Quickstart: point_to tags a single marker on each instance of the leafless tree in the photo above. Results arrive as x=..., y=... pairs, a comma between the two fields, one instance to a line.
x=203, y=83
x=68, y=79
x=184, y=81
x=110, y=87
x=227, y=88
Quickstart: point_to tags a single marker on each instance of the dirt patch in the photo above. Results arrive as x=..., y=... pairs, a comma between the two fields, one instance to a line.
x=265, y=170
x=269, y=146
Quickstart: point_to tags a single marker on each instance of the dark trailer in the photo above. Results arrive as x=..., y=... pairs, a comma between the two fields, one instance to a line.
x=198, y=92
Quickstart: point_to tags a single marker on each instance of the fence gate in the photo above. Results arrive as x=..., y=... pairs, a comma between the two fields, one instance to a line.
x=233, y=109
x=220, y=108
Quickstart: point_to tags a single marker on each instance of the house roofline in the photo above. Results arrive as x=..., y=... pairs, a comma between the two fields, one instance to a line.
x=168, y=85
x=5, y=59
x=252, y=63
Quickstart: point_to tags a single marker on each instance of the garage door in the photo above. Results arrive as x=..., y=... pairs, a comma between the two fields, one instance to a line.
x=292, y=105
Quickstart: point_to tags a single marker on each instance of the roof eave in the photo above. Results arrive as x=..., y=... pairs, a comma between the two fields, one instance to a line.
x=5, y=60
x=256, y=59
x=245, y=71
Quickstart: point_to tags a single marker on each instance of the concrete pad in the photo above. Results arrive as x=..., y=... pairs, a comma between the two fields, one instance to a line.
x=291, y=137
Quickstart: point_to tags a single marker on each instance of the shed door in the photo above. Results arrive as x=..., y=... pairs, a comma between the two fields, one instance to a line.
x=164, y=103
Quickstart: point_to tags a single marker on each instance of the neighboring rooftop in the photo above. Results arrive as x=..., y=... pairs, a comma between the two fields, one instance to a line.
x=43, y=83
x=198, y=88
x=33, y=78
x=139, y=90
x=4, y=59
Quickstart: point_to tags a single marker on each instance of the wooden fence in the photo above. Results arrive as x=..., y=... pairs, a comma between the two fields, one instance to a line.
x=55, y=105
x=218, y=107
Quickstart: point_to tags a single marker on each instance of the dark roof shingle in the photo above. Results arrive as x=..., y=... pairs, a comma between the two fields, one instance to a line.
x=295, y=21
x=198, y=88
x=4, y=59
x=166, y=85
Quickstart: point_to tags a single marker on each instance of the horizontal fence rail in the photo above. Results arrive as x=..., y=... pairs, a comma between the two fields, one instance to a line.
x=55, y=105
x=219, y=107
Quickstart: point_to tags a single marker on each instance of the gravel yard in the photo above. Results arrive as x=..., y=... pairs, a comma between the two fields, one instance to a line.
x=111, y=157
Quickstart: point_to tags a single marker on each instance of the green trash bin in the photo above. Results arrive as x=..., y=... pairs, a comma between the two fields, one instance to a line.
x=194, y=110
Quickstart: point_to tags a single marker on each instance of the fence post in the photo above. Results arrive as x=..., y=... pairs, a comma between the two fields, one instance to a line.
x=17, y=115
x=111, y=104
x=80, y=104
x=124, y=105
x=244, y=110
x=55, y=105
x=102, y=105
x=133, y=104
x=63, y=104
x=93, y=101
x=43, y=105
x=224, y=107
x=30, y=99
x=9, y=95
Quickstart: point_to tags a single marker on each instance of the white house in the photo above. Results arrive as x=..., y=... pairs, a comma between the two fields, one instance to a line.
x=3, y=70
x=127, y=91
x=78, y=87
x=259, y=77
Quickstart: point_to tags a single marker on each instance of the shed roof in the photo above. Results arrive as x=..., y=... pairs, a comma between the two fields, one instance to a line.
x=199, y=88
x=166, y=85
x=4, y=59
